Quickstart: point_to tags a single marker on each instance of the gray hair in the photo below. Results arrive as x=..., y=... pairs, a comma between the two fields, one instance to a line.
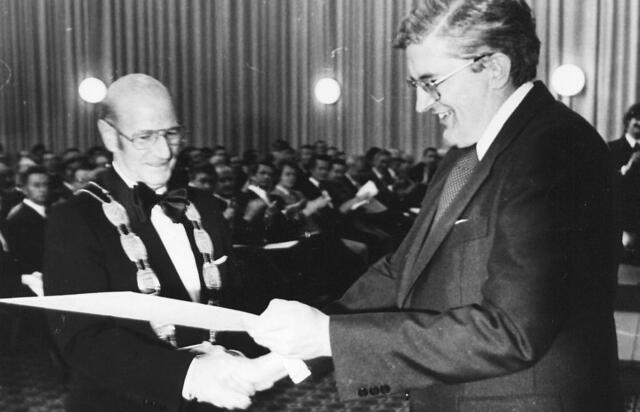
x=476, y=27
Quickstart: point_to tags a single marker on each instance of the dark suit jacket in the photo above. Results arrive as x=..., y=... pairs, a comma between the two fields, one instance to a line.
x=120, y=365
x=25, y=235
x=628, y=186
x=506, y=303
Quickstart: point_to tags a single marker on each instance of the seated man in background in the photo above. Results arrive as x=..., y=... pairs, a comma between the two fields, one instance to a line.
x=123, y=365
x=357, y=224
x=257, y=217
x=224, y=192
x=626, y=158
x=202, y=177
x=26, y=223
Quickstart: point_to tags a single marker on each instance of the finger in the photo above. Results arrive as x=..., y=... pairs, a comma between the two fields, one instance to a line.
x=233, y=401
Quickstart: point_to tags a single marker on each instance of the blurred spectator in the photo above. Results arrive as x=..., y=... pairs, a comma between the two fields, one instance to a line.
x=26, y=221
x=10, y=195
x=305, y=154
x=257, y=216
x=626, y=156
x=225, y=191
x=37, y=152
x=320, y=148
x=202, y=177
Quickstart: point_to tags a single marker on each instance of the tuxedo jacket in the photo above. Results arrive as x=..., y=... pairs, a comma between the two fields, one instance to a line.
x=505, y=302
x=25, y=235
x=117, y=364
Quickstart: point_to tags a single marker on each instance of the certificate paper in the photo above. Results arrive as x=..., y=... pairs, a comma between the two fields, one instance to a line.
x=138, y=306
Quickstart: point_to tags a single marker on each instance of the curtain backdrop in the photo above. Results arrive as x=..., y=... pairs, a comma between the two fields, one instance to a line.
x=242, y=71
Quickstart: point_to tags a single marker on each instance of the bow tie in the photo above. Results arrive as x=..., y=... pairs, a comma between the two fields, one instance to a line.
x=173, y=203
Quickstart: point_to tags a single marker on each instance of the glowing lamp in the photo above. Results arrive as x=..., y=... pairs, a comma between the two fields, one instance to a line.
x=327, y=91
x=92, y=90
x=568, y=80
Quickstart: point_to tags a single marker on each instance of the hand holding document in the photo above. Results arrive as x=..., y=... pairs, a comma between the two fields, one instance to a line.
x=367, y=192
x=212, y=379
x=293, y=330
x=138, y=306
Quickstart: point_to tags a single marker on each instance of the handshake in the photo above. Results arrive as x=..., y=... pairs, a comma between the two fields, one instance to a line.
x=291, y=330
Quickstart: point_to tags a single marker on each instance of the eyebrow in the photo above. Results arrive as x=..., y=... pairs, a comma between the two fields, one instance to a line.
x=155, y=130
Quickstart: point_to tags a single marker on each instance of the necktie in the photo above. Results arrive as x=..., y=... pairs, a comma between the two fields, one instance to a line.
x=457, y=178
x=173, y=203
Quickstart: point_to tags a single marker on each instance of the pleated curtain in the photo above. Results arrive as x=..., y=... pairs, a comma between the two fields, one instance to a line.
x=242, y=71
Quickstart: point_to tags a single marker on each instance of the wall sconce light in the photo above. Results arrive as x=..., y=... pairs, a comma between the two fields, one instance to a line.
x=92, y=90
x=327, y=91
x=568, y=80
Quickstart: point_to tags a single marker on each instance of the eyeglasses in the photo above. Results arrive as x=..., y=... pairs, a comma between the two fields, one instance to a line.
x=147, y=138
x=431, y=86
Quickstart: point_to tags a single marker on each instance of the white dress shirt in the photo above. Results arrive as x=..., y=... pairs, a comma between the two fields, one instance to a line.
x=500, y=118
x=175, y=241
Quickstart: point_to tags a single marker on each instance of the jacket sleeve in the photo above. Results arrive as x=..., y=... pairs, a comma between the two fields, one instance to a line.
x=123, y=357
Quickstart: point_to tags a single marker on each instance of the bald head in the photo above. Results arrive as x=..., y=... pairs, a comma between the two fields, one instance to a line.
x=133, y=95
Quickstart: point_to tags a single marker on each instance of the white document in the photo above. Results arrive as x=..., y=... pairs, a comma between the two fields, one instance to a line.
x=138, y=306
x=369, y=189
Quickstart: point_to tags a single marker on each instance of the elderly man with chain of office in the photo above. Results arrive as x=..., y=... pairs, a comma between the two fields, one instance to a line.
x=500, y=297
x=126, y=232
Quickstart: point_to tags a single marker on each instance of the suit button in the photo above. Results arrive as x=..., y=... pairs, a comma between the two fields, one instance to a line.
x=406, y=396
x=385, y=389
x=362, y=392
x=374, y=390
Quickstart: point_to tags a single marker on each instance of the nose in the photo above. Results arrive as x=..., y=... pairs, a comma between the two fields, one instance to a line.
x=424, y=101
x=161, y=148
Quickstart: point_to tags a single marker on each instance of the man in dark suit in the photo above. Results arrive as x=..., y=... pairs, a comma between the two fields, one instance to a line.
x=500, y=297
x=626, y=157
x=123, y=234
x=25, y=223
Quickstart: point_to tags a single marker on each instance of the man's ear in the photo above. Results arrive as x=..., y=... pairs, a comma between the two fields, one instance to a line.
x=499, y=69
x=109, y=136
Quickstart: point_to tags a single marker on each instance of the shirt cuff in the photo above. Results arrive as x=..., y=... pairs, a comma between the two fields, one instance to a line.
x=187, y=387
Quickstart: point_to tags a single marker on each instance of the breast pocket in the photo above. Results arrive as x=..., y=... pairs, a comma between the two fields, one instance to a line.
x=467, y=229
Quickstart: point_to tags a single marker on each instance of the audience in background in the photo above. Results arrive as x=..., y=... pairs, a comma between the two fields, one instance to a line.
x=310, y=195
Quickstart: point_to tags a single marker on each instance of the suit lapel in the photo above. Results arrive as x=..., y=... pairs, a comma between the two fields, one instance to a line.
x=537, y=98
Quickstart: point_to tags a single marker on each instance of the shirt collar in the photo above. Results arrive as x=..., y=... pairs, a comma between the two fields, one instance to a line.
x=262, y=194
x=283, y=189
x=315, y=181
x=38, y=208
x=500, y=118
x=632, y=142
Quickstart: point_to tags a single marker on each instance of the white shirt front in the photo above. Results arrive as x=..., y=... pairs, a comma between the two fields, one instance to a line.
x=500, y=118
x=175, y=241
x=632, y=142
x=38, y=208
